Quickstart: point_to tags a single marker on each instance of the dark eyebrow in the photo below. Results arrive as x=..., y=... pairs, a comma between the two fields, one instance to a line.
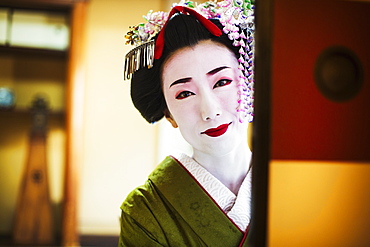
x=187, y=79
x=214, y=71
x=182, y=80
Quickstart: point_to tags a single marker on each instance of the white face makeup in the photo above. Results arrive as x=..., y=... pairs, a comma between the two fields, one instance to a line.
x=200, y=88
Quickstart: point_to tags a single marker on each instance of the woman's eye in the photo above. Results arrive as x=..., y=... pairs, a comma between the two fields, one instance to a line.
x=184, y=94
x=222, y=83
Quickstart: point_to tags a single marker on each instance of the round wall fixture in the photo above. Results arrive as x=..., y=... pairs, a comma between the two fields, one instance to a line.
x=338, y=73
x=7, y=98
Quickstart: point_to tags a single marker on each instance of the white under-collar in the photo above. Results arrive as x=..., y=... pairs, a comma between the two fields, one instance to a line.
x=237, y=207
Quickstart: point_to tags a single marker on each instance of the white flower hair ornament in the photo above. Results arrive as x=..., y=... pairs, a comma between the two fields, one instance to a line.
x=237, y=19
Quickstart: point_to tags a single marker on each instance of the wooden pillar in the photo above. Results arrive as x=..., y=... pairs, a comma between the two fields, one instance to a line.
x=261, y=124
x=74, y=120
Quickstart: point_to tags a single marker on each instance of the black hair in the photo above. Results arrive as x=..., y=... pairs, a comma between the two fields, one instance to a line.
x=146, y=86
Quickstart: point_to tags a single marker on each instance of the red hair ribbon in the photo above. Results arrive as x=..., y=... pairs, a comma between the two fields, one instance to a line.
x=211, y=27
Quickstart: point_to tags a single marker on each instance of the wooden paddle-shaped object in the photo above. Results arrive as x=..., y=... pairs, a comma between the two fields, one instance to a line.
x=34, y=216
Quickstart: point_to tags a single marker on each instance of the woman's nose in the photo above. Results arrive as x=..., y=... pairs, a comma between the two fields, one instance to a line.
x=210, y=108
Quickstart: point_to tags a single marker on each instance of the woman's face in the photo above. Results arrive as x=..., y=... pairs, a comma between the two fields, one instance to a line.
x=200, y=88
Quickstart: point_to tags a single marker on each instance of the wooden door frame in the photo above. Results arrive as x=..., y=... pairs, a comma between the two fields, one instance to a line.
x=74, y=124
x=261, y=123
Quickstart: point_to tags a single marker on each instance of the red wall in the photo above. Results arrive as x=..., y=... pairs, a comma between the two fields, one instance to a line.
x=305, y=124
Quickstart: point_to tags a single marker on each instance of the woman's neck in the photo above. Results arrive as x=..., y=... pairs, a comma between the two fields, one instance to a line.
x=230, y=168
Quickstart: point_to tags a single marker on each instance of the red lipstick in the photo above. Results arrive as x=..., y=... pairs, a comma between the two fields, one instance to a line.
x=215, y=132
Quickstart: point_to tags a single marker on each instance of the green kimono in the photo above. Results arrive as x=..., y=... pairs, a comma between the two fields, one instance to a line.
x=172, y=209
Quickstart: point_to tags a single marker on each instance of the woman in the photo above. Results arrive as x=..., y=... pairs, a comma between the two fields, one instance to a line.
x=198, y=84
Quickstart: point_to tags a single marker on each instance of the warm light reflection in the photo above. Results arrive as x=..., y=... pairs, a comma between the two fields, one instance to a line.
x=318, y=203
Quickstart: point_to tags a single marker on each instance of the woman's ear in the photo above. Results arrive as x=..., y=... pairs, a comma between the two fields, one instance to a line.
x=170, y=119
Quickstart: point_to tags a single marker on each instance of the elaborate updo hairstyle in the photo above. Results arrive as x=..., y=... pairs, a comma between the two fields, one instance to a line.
x=146, y=84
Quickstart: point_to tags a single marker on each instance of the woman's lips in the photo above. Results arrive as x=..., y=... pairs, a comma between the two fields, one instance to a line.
x=215, y=132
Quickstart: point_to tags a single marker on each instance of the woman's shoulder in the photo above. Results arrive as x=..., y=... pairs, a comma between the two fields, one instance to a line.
x=143, y=195
x=146, y=208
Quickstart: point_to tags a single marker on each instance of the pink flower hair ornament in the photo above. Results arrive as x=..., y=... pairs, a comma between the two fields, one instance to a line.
x=237, y=19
